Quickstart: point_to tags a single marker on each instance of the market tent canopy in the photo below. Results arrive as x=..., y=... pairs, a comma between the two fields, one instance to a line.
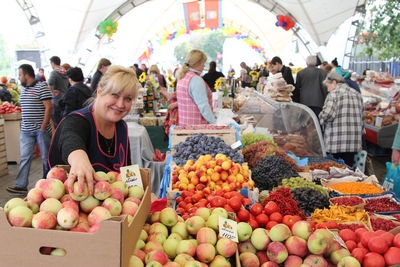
x=68, y=25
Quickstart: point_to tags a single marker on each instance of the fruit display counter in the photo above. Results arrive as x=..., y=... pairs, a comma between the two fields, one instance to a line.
x=381, y=113
x=228, y=206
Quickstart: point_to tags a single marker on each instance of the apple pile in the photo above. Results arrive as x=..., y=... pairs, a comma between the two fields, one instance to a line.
x=208, y=173
x=48, y=206
x=299, y=245
x=372, y=249
x=167, y=240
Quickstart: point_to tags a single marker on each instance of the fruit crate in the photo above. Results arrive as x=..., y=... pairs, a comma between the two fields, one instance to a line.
x=111, y=246
x=396, y=224
x=392, y=198
x=360, y=225
x=228, y=134
x=173, y=194
x=358, y=206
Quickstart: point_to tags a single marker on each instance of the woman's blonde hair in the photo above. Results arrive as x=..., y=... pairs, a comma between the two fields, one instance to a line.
x=118, y=79
x=154, y=69
x=193, y=59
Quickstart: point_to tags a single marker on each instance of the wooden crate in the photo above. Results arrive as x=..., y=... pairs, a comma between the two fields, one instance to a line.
x=228, y=135
x=12, y=116
x=3, y=153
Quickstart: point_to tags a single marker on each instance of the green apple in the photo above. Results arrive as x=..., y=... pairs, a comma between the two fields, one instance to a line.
x=260, y=239
x=135, y=262
x=349, y=261
x=169, y=246
x=339, y=254
x=280, y=232
x=180, y=228
x=244, y=231
x=318, y=243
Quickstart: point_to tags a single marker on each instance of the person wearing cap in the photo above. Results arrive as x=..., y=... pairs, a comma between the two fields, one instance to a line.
x=343, y=118
x=193, y=94
x=77, y=94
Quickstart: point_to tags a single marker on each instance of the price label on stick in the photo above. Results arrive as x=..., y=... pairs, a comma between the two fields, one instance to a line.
x=131, y=175
x=228, y=229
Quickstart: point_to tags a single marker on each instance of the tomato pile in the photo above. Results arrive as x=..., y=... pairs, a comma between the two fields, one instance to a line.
x=7, y=108
x=372, y=249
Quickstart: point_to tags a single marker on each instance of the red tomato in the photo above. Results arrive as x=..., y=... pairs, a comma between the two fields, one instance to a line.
x=378, y=244
x=256, y=209
x=359, y=232
x=228, y=208
x=179, y=199
x=182, y=204
x=392, y=256
x=180, y=210
x=289, y=220
x=359, y=254
x=271, y=207
x=351, y=245
x=396, y=240
x=253, y=224
x=366, y=237
x=188, y=200
x=218, y=201
x=373, y=259
x=312, y=223
x=276, y=216
x=243, y=215
x=262, y=219
x=347, y=234
x=270, y=224
x=380, y=232
x=235, y=203
x=237, y=194
x=186, y=194
x=227, y=195
x=246, y=201
x=389, y=238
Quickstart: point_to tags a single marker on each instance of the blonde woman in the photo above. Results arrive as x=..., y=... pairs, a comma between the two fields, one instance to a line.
x=156, y=71
x=95, y=138
x=194, y=96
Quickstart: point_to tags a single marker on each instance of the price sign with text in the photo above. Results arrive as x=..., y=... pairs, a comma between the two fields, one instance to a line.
x=131, y=175
x=228, y=229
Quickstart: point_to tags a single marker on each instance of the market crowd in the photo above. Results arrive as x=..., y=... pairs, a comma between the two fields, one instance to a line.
x=79, y=122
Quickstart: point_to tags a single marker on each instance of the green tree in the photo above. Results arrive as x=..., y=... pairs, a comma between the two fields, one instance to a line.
x=181, y=51
x=382, y=29
x=4, y=58
x=213, y=44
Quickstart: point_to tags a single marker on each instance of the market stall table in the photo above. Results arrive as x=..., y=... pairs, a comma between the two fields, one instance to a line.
x=142, y=152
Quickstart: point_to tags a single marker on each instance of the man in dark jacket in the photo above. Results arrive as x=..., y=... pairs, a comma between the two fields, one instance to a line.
x=286, y=71
x=309, y=86
x=58, y=84
x=102, y=67
x=77, y=94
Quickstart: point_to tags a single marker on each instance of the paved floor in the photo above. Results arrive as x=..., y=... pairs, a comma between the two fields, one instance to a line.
x=36, y=173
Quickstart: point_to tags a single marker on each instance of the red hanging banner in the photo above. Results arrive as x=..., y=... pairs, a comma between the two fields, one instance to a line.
x=192, y=15
x=213, y=14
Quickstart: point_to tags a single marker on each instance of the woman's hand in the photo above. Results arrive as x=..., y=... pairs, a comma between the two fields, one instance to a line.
x=81, y=170
x=396, y=156
x=172, y=106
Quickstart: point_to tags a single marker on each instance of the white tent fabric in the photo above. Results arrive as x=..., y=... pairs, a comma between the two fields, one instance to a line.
x=69, y=25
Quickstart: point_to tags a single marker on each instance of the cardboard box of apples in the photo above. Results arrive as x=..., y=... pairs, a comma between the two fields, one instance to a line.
x=52, y=228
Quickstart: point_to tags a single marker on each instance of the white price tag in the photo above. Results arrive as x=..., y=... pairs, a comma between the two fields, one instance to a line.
x=228, y=229
x=337, y=238
x=131, y=175
x=236, y=144
x=378, y=121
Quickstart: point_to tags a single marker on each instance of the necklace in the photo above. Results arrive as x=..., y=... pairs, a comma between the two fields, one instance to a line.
x=108, y=145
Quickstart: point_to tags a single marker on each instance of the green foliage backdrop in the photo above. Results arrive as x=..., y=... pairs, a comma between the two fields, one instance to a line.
x=382, y=23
